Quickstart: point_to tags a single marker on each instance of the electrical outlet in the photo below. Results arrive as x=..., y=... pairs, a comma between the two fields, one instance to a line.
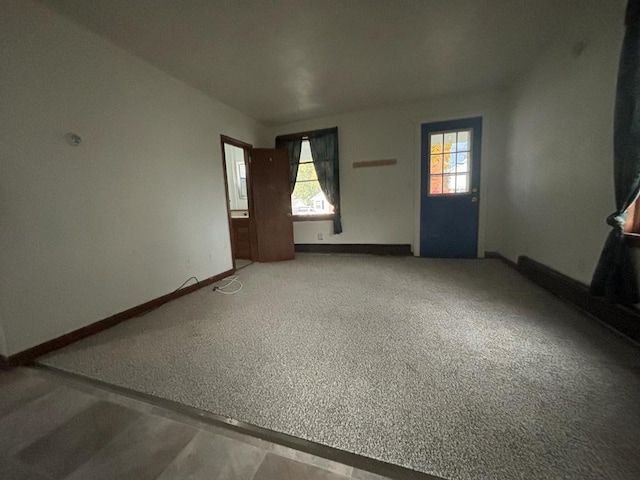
x=320, y=236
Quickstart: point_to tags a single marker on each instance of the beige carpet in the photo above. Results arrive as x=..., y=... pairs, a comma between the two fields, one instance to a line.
x=459, y=368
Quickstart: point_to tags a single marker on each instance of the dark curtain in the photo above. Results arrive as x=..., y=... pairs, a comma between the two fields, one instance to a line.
x=293, y=146
x=324, y=150
x=615, y=276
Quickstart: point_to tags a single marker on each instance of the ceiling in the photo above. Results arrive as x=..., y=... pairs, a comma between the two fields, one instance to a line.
x=284, y=60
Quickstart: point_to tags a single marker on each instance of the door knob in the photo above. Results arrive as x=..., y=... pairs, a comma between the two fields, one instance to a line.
x=474, y=190
x=474, y=199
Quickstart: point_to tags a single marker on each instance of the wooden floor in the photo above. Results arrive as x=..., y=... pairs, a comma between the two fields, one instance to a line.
x=52, y=427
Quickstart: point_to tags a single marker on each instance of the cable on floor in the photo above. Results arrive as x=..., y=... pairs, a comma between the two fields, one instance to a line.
x=187, y=281
x=232, y=279
x=169, y=299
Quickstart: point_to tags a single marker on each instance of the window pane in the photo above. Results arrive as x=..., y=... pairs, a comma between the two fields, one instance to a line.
x=462, y=183
x=436, y=143
x=449, y=184
x=435, y=186
x=449, y=165
x=305, y=152
x=436, y=164
x=450, y=142
x=306, y=171
x=462, y=162
x=308, y=199
x=463, y=140
x=242, y=180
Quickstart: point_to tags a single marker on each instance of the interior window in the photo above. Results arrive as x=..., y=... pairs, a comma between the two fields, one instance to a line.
x=242, y=180
x=307, y=197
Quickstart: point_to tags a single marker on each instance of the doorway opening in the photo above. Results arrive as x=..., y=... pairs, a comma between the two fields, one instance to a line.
x=235, y=159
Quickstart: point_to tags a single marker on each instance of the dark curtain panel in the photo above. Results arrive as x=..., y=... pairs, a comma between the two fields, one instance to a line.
x=293, y=146
x=615, y=276
x=324, y=150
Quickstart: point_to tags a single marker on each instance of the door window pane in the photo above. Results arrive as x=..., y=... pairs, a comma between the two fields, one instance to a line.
x=436, y=143
x=449, y=184
x=450, y=142
x=436, y=164
x=462, y=162
x=435, y=187
x=463, y=140
x=462, y=183
x=450, y=162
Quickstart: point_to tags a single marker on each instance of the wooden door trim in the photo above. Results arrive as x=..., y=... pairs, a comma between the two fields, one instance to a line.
x=253, y=229
x=236, y=143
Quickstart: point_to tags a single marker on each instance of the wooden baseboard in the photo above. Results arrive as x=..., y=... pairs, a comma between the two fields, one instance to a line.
x=625, y=320
x=29, y=355
x=368, y=248
x=502, y=258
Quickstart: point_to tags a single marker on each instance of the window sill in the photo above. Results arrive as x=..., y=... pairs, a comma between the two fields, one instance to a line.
x=311, y=218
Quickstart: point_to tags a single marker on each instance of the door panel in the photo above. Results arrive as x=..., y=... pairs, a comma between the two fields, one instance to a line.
x=450, y=188
x=269, y=173
x=241, y=238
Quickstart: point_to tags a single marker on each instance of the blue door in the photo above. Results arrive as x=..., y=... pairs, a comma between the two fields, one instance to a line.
x=450, y=188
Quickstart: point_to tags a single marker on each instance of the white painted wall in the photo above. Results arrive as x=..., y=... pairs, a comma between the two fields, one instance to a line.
x=233, y=157
x=127, y=216
x=380, y=205
x=3, y=340
x=559, y=184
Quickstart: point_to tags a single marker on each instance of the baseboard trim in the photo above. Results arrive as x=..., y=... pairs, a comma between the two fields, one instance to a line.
x=624, y=319
x=501, y=258
x=29, y=355
x=362, y=248
x=621, y=318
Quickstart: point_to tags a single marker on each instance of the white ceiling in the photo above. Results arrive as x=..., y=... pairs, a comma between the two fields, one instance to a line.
x=285, y=60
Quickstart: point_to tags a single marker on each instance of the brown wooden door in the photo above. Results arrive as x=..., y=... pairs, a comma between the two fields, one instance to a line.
x=269, y=170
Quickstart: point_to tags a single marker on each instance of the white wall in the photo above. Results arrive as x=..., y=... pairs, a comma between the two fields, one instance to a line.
x=559, y=185
x=127, y=216
x=380, y=205
x=3, y=341
x=233, y=157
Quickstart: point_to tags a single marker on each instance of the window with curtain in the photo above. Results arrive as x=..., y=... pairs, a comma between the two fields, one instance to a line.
x=315, y=179
x=615, y=277
x=307, y=198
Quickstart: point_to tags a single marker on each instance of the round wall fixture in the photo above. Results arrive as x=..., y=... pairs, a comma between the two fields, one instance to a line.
x=73, y=139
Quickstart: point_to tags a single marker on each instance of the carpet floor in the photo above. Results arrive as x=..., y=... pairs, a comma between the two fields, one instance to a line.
x=458, y=368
